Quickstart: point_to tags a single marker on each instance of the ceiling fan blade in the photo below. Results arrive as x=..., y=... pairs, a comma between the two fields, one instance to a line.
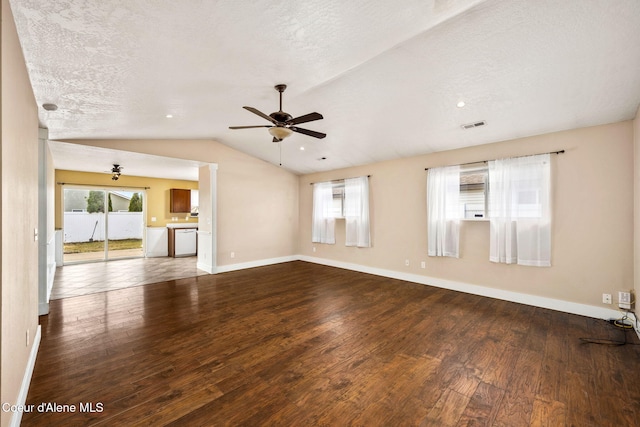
x=304, y=119
x=249, y=127
x=308, y=132
x=261, y=114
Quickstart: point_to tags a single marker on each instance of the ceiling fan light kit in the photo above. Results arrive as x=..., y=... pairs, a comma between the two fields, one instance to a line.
x=280, y=132
x=284, y=123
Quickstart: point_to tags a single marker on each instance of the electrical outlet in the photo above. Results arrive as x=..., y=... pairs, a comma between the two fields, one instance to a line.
x=406, y=262
x=423, y=264
x=624, y=300
x=233, y=255
x=606, y=298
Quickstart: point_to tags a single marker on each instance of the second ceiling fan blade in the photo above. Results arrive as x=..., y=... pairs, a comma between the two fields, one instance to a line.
x=304, y=119
x=249, y=127
x=308, y=132
x=261, y=114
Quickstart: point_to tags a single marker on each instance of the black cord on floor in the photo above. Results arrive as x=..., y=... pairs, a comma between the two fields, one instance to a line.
x=618, y=324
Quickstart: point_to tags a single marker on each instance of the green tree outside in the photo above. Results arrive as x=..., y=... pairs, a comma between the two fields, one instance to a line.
x=135, y=205
x=95, y=202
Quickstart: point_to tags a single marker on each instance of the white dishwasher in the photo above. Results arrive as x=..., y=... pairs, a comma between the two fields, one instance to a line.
x=185, y=241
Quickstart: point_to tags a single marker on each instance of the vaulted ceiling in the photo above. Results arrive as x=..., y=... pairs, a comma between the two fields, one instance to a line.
x=387, y=76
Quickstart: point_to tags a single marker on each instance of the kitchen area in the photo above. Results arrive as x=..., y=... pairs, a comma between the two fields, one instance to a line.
x=176, y=237
x=179, y=238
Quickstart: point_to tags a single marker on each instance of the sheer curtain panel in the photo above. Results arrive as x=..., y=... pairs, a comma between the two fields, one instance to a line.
x=443, y=210
x=356, y=212
x=323, y=223
x=520, y=210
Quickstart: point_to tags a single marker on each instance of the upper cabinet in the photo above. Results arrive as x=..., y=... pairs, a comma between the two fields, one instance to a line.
x=180, y=200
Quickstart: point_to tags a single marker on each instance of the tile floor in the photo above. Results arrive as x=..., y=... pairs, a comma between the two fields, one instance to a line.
x=83, y=279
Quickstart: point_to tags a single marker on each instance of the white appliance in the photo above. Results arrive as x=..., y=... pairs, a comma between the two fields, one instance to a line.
x=185, y=241
x=156, y=244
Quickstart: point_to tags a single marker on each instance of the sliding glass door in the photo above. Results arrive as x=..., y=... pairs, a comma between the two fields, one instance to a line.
x=101, y=224
x=125, y=226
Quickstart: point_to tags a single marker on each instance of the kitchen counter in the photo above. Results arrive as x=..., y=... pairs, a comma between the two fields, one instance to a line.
x=183, y=225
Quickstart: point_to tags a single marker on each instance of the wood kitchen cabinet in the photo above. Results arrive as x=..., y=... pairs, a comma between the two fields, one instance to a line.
x=180, y=200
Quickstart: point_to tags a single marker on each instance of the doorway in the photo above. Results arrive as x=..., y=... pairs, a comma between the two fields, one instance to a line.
x=101, y=224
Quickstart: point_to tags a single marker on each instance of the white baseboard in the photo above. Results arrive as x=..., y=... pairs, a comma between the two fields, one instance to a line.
x=533, y=300
x=157, y=254
x=258, y=263
x=206, y=267
x=501, y=294
x=26, y=379
x=636, y=327
x=51, y=274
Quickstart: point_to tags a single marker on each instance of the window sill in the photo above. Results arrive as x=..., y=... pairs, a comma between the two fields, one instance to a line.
x=475, y=219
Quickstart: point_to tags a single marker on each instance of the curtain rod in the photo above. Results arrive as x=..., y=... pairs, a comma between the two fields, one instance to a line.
x=485, y=161
x=106, y=185
x=338, y=180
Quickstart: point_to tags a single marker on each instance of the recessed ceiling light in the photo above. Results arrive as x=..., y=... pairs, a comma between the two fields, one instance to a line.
x=460, y=104
x=169, y=116
x=301, y=148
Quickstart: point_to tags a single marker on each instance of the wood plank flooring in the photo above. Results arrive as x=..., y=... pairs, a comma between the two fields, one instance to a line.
x=298, y=344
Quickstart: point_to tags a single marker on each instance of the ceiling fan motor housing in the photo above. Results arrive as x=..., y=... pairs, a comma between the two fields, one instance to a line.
x=280, y=116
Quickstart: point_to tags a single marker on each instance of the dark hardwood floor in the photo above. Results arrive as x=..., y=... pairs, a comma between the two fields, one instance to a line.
x=299, y=344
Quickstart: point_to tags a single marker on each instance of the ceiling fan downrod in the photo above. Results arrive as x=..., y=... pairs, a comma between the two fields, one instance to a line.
x=280, y=88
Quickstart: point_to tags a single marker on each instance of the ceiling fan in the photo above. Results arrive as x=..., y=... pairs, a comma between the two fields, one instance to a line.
x=283, y=123
x=116, y=171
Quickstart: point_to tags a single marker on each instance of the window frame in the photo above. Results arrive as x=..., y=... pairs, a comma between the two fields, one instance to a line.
x=473, y=169
x=337, y=191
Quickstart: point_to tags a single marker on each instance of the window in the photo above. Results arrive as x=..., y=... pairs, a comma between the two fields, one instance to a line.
x=443, y=211
x=473, y=192
x=337, y=201
x=346, y=199
x=520, y=213
x=512, y=194
x=474, y=195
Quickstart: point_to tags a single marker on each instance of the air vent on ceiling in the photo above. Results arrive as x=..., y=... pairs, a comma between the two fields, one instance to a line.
x=474, y=125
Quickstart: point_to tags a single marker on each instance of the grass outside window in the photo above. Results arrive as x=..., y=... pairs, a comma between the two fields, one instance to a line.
x=98, y=246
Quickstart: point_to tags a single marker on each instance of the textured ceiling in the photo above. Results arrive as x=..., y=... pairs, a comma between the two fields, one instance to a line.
x=86, y=158
x=386, y=75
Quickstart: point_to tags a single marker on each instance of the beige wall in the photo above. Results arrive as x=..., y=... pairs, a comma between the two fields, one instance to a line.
x=257, y=201
x=592, y=249
x=157, y=195
x=19, y=187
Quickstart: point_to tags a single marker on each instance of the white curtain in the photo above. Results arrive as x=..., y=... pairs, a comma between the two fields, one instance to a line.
x=356, y=212
x=443, y=210
x=323, y=223
x=520, y=211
